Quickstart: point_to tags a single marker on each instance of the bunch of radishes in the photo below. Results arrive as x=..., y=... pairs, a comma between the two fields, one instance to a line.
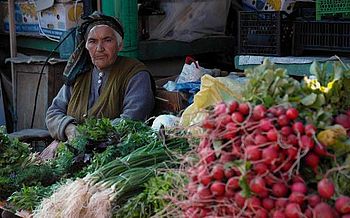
x=249, y=161
x=344, y=120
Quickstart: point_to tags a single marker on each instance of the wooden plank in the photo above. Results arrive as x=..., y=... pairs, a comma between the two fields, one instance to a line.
x=13, y=51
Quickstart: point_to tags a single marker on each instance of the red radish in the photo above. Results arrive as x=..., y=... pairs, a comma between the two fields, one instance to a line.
x=231, y=127
x=299, y=187
x=232, y=183
x=307, y=142
x=278, y=214
x=321, y=150
x=292, y=139
x=310, y=130
x=280, y=111
x=282, y=120
x=218, y=188
x=208, y=155
x=237, y=117
x=313, y=200
x=208, y=124
x=342, y=204
x=298, y=178
x=253, y=152
x=226, y=157
x=287, y=166
x=296, y=197
x=346, y=215
x=204, y=143
x=343, y=119
x=265, y=125
x=260, y=168
x=268, y=203
x=292, y=113
x=279, y=189
x=229, y=173
x=229, y=193
x=312, y=160
x=270, y=180
x=293, y=211
x=233, y=106
x=244, y=108
x=286, y=130
x=204, y=193
x=220, y=109
x=269, y=155
x=272, y=135
x=323, y=210
x=223, y=119
x=348, y=112
x=298, y=127
x=257, y=185
x=325, y=188
x=308, y=213
x=260, y=139
x=259, y=112
x=292, y=152
x=263, y=194
x=218, y=172
x=239, y=199
x=253, y=203
x=204, y=178
x=281, y=203
x=261, y=213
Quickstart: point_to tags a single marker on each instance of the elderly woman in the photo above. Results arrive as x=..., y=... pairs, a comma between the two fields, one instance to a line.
x=99, y=83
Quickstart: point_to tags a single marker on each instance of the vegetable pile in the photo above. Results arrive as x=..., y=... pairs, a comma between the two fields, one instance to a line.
x=95, y=174
x=251, y=163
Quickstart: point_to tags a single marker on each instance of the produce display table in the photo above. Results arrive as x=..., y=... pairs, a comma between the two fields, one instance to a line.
x=296, y=66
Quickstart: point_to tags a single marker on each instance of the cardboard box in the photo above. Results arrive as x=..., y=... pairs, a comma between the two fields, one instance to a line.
x=269, y=5
x=60, y=18
x=26, y=18
x=172, y=102
x=167, y=101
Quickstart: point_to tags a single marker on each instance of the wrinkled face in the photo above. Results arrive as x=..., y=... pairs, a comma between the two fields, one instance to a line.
x=102, y=44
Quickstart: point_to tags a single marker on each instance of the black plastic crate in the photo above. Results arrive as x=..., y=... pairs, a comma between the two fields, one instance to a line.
x=326, y=36
x=265, y=33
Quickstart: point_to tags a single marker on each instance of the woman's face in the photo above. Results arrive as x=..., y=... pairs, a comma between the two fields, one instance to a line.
x=103, y=46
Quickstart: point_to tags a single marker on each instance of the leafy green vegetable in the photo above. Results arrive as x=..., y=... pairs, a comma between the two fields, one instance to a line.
x=154, y=198
x=29, y=197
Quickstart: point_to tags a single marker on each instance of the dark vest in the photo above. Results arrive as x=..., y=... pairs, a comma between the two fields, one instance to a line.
x=110, y=102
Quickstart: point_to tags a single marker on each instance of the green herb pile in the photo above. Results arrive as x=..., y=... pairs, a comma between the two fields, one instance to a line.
x=99, y=145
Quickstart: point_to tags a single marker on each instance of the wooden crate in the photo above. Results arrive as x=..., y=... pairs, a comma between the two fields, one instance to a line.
x=27, y=81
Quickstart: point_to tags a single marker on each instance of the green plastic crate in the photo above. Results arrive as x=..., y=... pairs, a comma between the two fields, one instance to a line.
x=332, y=7
x=126, y=11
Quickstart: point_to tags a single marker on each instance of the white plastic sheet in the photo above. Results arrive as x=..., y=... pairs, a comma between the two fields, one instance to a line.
x=187, y=20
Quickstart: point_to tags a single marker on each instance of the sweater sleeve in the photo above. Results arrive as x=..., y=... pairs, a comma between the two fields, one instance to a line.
x=56, y=115
x=139, y=99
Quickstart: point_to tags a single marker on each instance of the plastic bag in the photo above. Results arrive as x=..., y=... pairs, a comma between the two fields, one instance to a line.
x=165, y=120
x=212, y=91
x=192, y=72
x=187, y=20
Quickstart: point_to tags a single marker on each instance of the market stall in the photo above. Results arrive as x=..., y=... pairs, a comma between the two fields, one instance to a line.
x=270, y=138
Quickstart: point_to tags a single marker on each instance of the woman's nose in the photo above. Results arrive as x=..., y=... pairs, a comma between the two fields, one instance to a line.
x=100, y=46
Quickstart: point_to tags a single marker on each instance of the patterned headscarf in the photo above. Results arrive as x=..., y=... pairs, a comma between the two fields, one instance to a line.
x=79, y=61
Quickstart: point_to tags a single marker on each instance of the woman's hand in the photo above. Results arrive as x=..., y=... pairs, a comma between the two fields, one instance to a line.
x=71, y=132
x=50, y=151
